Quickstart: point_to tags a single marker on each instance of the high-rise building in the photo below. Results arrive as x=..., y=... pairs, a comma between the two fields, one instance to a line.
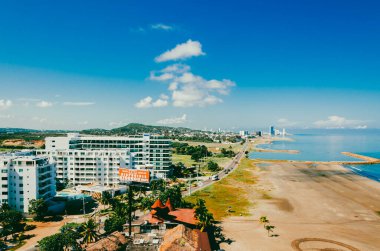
x=272, y=131
x=24, y=178
x=101, y=156
x=243, y=133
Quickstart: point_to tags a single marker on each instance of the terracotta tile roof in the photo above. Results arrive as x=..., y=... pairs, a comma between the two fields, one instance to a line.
x=157, y=204
x=110, y=243
x=169, y=205
x=182, y=238
x=184, y=215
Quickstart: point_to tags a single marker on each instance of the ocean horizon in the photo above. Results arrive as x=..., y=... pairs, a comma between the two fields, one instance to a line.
x=328, y=145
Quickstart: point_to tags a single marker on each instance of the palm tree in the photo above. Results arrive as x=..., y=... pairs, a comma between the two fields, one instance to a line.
x=89, y=232
x=106, y=198
x=269, y=228
x=264, y=220
x=204, y=217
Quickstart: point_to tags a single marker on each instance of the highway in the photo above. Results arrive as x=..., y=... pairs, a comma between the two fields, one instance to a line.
x=231, y=166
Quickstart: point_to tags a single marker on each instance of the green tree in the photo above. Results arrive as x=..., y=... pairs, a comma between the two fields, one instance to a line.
x=213, y=166
x=175, y=195
x=204, y=217
x=106, y=198
x=89, y=232
x=39, y=208
x=158, y=185
x=54, y=242
x=114, y=223
x=10, y=221
x=269, y=228
x=264, y=220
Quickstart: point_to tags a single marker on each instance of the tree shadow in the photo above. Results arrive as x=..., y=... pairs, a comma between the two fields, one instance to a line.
x=218, y=237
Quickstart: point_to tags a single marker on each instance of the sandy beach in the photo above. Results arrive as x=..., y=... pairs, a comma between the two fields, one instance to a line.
x=313, y=207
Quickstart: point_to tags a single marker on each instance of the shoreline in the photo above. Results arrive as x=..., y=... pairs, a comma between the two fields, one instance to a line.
x=323, y=202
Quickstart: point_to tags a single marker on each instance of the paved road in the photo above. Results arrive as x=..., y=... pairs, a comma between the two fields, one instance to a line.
x=231, y=166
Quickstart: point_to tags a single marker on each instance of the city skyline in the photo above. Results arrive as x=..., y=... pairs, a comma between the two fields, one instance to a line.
x=231, y=65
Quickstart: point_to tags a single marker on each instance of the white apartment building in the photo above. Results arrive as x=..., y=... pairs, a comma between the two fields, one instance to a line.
x=86, y=159
x=81, y=167
x=24, y=178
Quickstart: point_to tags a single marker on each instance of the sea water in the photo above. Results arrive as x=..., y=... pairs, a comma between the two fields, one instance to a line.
x=327, y=145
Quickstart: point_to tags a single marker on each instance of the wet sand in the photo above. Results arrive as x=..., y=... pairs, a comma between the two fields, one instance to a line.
x=313, y=207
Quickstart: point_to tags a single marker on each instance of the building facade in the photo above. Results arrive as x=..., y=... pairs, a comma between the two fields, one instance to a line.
x=24, y=178
x=81, y=167
x=96, y=159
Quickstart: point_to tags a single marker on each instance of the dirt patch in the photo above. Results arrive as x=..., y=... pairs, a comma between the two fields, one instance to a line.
x=282, y=204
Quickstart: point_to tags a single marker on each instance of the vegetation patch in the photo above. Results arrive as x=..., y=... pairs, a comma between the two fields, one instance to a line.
x=229, y=196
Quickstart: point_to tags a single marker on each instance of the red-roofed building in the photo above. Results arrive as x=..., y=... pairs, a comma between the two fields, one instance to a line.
x=161, y=213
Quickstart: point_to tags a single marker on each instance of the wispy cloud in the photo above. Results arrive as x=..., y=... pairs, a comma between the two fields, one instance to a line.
x=182, y=51
x=172, y=121
x=161, y=26
x=78, y=103
x=340, y=122
x=44, y=104
x=5, y=104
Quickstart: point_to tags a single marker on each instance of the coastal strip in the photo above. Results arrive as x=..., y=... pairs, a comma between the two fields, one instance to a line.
x=363, y=157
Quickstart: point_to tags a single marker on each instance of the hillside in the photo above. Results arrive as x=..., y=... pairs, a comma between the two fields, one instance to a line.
x=135, y=128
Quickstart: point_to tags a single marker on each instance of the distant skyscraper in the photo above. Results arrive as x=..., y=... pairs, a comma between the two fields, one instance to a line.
x=283, y=132
x=272, y=131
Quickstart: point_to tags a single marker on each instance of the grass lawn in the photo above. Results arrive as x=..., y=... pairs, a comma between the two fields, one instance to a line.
x=186, y=159
x=215, y=147
x=231, y=191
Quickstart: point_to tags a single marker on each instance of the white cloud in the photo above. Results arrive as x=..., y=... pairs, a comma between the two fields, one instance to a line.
x=83, y=123
x=148, y=102
x=361, y=127
x=177, y=68
x=171, y=121
x=182, y=51
x=161, y=26
x=339, y=122
x=144, y=103
x=160, y=103
x=162, y=77
x=78, y=103
x=5, y=104
x=188, y=89
x=44, y=104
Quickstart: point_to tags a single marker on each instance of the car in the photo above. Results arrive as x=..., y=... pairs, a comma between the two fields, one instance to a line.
x=215, y=177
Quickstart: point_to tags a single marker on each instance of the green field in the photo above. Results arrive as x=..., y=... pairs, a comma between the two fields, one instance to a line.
x=232, y=191
x=187, y=161
x=215, y=147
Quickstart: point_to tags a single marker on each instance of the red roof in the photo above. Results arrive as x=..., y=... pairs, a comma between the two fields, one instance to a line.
x=185, y=215
x=169, y=205
x=157, y=204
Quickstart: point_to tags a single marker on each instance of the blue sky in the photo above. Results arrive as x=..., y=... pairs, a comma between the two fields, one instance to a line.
x=235, y=64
